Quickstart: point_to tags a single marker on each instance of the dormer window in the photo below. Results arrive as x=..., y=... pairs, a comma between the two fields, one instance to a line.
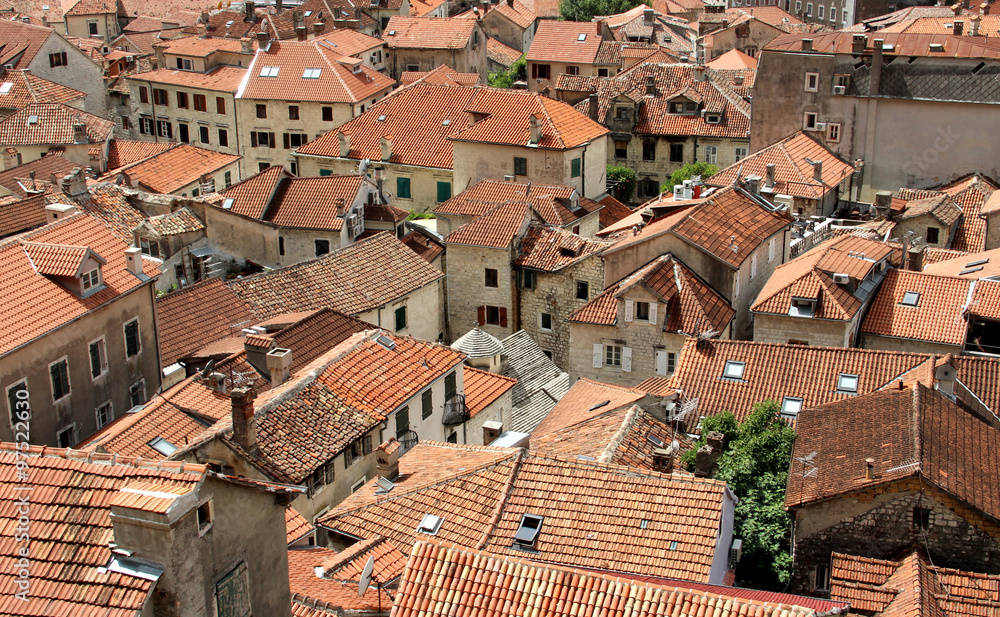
x=677, y=108
x=151, y=247
x=803, y=307
x=713, y=118
x=621, y=113
x=527, y=532
x=91, y=279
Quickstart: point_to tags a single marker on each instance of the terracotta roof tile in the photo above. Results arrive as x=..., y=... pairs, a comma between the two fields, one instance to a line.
x=252, y=195
x=174, y=168
x=578, y=405
x=483, y=387
x=122, y=152
x=22, y=214
x=219, y=79
x=898, y=44
x=551, y=249
x=427, y=32
x=497, y=229
x=44, y=168
x=29, y=40
x=972, y=194
x=443, y=75
x=612, y=211
x=793, y=174
x=551, y=202
x=309, y=589
x=180, y=221
x=937, y=317
x=502, y=54
x=108, y=203
x=885, y=425
x=197, y=315
x=199, y=47
x=26, y=89
x=350, y=563
x=349, y=42
x=52, y=125
x=296, y=525
x=423, y=245
x=559, y=41
x=62, y=260
x=312, y=203
x=390, y=268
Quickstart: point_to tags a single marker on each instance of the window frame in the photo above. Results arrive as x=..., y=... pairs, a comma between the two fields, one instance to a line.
x=400, y=324
x=811, y=82
x=834, y=131
x=677, y=153
x=110, y=416
x=91, y=279
x=613, y=355
x=843, y=381
x=426, y=404
x=401, y=182
x=101, y=341
x=261, y=111
x=69, y=381
x=11, y=404
x=327, y=114
x=732, y=367
x=138, y=386
x=649, y=150
x=182, y=99
x=541, y=322
x=293, y=112
x=138, y=337
x=316, y=246
x=583, y=286
x=576, y=167
x=520, y=166
x=200, y=102
x=491, y=278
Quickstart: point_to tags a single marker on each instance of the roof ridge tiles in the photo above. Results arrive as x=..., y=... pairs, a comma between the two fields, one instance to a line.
x=633, y=415
x=502, y=501
x=109, y=459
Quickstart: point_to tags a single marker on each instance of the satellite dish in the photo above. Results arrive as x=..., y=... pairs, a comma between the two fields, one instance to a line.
x=366, y=576
x=208, y=368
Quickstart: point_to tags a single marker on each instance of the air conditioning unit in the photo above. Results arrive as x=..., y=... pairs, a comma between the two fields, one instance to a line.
x=821, y=126
x=355, y=225
x=129, y=58
x=841, y=279
x=735, y=552
x=840, y=89
x=508, y=178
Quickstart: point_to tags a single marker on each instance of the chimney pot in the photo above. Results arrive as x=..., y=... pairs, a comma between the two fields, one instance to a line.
x=387, y=459
x=807, y=44
x=858, y=44
x=385, y=143
x=301, y=33
x=279, y=365
x=262, y=39
x=869, y=469
x=249, y=8
x=958, y=27
x=318, y=27
x=244, y=420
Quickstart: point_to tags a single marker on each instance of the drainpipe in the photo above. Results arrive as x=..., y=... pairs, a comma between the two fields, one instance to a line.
x=583, y=170
x=152, y=107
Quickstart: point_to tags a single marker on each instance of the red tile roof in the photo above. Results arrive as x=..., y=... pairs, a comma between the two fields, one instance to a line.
x=62, y=260
x=482, y=388
x=252, y=195
x=20, y=215
x=350, y=563
x=52, y=126
x=553, y=203
x=939, y=315
x=422, y=244
x=197, y=315
x=349, y=42
x=896, y=44
x=972, y=195
x=504, y=55
x=551, y=249
x=44, y=168
x=26, y=89
x=443, y=75
x=577, y=405
x=612, y=211
x=774, y=371
x=482, y=506
x=559, y=41
x=792, y=173
x=296, y=525
x=957, y=265
x=428, y=32
x=436, y=582
x=517, y=13
x=199, y=47
x=342, y=79
x=27, y=41
x=390, y=269
x=312, y=203
x=174, y=168
x=497, y=229
x=122, y=152
x=220, y=79
x=911, y=432
x=309, y=589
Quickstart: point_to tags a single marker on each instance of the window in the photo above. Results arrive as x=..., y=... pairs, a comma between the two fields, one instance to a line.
x=403, y=188
x=741, y=153
x=582, y=290
x=770, y=249
x=529, y=278
x=541, y=71
x=145, y=126
x=711, y=154
x=182, y=132
x=322, y=247
x=203, y=134
x=649, y=187
x=812, y=82
x=911, y=298
x=223, y=137
x=790, y=406
x=204, y=517
x=798, y=6
x=358, y=448
x=621, y=149
x=666, y=362
x=809, y=9
x=527, y=532
x=841, y=80
x=734, y=369
x=847, y=383
x=260, y=139
x=261, y=110
x=66, y=438
x=833, y=13
x=621, y=113
x=492, y=278
x=612, y=355
x=821, y=11
x=574, y=168
x=132, y=343
x=104, y=414
x=833, y=131
x=520, y=166
x=450, y=386
x=546, y=321
x=328, y=114
x=200, y=104
x=164, y=129
x=281, y=245
x=452, y=437
x=933, y=234
x=753, y=266
x=602, y=72
x=921, y=517
x=17, y=403
x=263, y=166
x=649, y=150
x=57, y=59
x=293, y=112
x=59, y=374
x=493, y=316
x=642, y=311
x=98, y=358
x=220, y=105
x=272, y=71
x=426, y=404
x=143, y=94
x=311, y=73
x=443, y=191
x=676, y=153
x=402, y=423
x=295, y=140
x=400, y=318
x=91, y=279
x=182, y=100
x=822, y=573
x=736, y=285
x=809, y=120
x=572, y=70
x=160, y=96
x=92, y=28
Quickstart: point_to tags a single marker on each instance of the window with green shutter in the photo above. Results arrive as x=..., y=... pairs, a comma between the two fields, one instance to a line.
x=325, y=172
x=13, y=398
x=132, y=345
x=444, y=191
x=403, y=188
x=575, y=164
x=520, y=166
x=426, y=404
x=450, y=386
x=59, y=372
x=400, y=318
x=402, y=423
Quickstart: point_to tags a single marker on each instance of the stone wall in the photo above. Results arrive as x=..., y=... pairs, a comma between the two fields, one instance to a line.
x=889, y=343
x=770, y=328
x=466, y=269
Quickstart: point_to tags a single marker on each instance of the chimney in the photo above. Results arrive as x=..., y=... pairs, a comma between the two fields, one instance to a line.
x=708, y=455
x=491, y=430
x=738, y=80
x=535, y=124
x=753, y=184
x=944, y=375
x=959, y=27
x=345, y=144
x=883, y=201
x=984, y=8
x=57, y=212
x=858, y=44
x=203, y=18
x=262, y=39
x=770, y=176
x=385, y=143
x=957, y=8
x=974, y=25
x=80, y=132
x=249, y=8
x=699, y=73
x=869, y=469
x=387, y=459
x=817, y=171
x=246, y=46
x=807, y=44
x=966, y=4
x=318, y=27
x=876, y=74
x=133, y=260
x=11, y=159
x=244, y=421
x=97, y=160
x=301, y=33
x=592, y=107
x=74, y=183
x=651, y=86
x=510, y=3
x=648, y=15
x=202, y=31
x=663, y=460
x=277, y=6
x=279, y=365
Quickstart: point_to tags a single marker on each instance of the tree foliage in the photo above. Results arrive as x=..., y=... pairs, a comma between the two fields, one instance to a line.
x=705, y=170
x=625, y=179
x=755, y=465
x=585, y=10
x=505, y=79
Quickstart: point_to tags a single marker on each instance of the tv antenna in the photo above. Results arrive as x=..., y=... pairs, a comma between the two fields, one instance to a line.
x=366, y=578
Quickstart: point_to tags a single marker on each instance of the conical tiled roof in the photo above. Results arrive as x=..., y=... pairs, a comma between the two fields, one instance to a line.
x=478, y=344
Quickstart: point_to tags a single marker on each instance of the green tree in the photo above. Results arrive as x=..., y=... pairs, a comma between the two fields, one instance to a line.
x=625, y=180
x=705, y=170
x=755, y=465
x=585, y=10
x=505, y=79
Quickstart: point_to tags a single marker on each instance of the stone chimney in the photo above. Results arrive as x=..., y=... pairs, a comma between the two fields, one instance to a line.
x=699, y=73
x=244, y=420
x=57, y=212
x=648, y=15
x=663, y=460
x=957, y=8
x=345, y=144
x=11, y=159
x=974, y=25
x=817, y=171
x=262, y=39
x=708, y=455
x=133, y=260
x=592, y=107
x=249, y=15
x=491, y=430
x=387, y=459
x=807, y=44
x=202, y=31
x=97, y=161
x=203, y=18
x=279, y=365
x=74, y=183
x=959, y=27
x=883, y=201
x=769, y=183
x=858, y=44
x=876, y=74
x=535, y=124
x=318, y=27
x=385, y=144
x=246, y=46
x=869, y=469
x=80, y=132
x=301, y=33
x=651, y=86
x=753, y=184
x=985, y=9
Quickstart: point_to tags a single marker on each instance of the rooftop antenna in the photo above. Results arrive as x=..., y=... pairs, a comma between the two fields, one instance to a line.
x=366, y=578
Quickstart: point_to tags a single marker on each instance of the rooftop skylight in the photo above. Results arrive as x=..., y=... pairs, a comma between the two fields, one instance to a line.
x=734, y=369
x=311, y=73
x=911, y=298
x=5, y=87
x=582, y=37
x=269, y=71
x=847, y=382
x=163, y=446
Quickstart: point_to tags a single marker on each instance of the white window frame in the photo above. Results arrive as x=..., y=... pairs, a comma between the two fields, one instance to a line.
x=138, y=338
x=791, y=406
x=833, y=132
x=753, y=265
x=732, y=367
x=806, y=117
x=91, y=279
x=10, y=412
x=69, y=380
x=821, y=11
x=833, y=13
x=842, y=377
x=141, y=384
x=741, y=152
x=809, y=9
x=111, y=414
x=272, y=71
x=104, y=357
x=357, y=485
x=712, y=155
x=812, y=82
x=609, y=352
x=798, y=6
x=541, y=322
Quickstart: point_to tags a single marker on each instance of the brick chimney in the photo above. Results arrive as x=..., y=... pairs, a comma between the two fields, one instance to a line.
x=807, y=44
x=262, y=39
x=345, y=143
x=249, y=16
x=958, y=27
x=301, y=33
x=133, y=260
x=648, y=15
x=244, y=420
x=858, y=44
x=279, y=365
x=708, y=455
x=883, y=201
x=387, y=459
x=318, y=27
x=535, y=124
x=385, y=144
x=974, y=25
x=246, y=46
x=663, y=460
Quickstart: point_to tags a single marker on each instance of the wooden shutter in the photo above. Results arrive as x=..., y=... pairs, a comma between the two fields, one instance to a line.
x=503, y=317
x=95, y=360
x=132, y=338
x=253, y=139
x=629, y=310
x=285, y=137
x=481, y=315
x=627, y=359
x=534, y=71
x=271, y=142
x=661, y=362
x=652, y=313
x=598, y=355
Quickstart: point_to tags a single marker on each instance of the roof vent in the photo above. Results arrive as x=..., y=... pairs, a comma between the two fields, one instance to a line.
x=384, y=486
x=598, y=405
x=430, y=524
x=386, y=342
x=527, y=533
x=937, y=47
